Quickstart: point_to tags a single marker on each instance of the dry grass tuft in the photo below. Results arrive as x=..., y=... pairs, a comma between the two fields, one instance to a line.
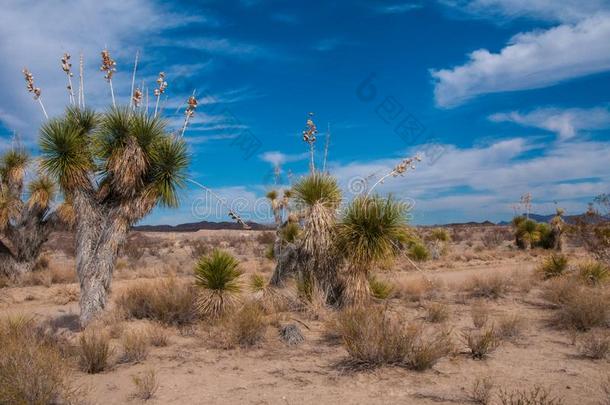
x=582, y=309
x=479, y=312
x=135, y=346
x=168, y=301
x=481, y=342
x=146, y=384
x=380, y=289
x=510, y=326
x=595, y=344
x=593, y=272
x=420, y=289
x=535, y=396
x=481, y=392
x=437, y=312
x=158, y=336
x=66, y=294
x=244, y=328
x=492, y=286
x=374, y=337
x=32, y=368
x=94, y=351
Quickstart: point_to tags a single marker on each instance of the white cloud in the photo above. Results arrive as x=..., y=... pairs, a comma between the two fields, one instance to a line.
x=276, y=158
x=530, y=60
x=548, y=10
x=566, y=123
x=482, y=182
x=397, y=8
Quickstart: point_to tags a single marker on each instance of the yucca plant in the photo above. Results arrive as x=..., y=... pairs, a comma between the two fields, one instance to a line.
x=528, y=233
x=26, y=214
x=115, y=167
x=217, y=276
x=553, y=266
x=372, y=230
x=318, y=196
x=593, y=272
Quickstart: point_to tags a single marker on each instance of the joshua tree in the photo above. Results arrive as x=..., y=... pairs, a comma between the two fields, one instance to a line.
x=372, y=230
x=557, y=229
x=319, y=196
x=25, y=225
x=217, y=275
x=116, y=167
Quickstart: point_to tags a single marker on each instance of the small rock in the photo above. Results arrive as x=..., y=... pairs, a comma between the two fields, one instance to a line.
x=291, y=335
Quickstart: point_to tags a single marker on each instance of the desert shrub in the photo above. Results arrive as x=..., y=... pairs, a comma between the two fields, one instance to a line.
x=425, y=349
x=595, y=344
x=557, y=290
x=135, y=347
x=481, y=391
x=257, y=282
x=535, y=396
x=167, y=300
x=374, y=337
x=481, y=342
x=510, y=326
x=94, y=351
x=32, y=367
x=593, y=272
x=440, y=234
x=479, y=313
x=554, y=265
x=417, y=290
x=265, y=237
x=247, y=326
x=594, y=235
x=437, y=312
x=270, y=252
x=290, y=232
x=418, y=252
x=146, y=385
x=217, y=277
x=493, y=238
x=199, y=248
x=380, y=289
x=493, y=286
x=66, y=294
x=158, y=336
x=583, y=309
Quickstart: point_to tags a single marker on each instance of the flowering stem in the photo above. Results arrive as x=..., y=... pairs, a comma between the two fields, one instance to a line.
x=133, y=78
x=112, y=92
x=312, y=166
x=379, y=181
x=43, y=109
x=157, y=104
x=71, y=92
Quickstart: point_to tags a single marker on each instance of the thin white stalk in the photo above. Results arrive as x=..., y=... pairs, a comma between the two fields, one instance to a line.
x=146, y=100
x=378, y=182
x=186, y=122
x=43, y=109
x=133, y=79
x=71, y=92
x=326, y=148
x=112, y=92
x=312, y=166
x=81, y=87
x=157, y=104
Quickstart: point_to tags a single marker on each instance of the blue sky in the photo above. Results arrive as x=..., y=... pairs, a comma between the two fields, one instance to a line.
x=500, y=97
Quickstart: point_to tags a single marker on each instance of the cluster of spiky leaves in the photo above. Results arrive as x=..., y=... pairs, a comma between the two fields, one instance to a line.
x=217, y=275
x=121, y=155
x=317, y=188
x=372, y=230
x=529, y=233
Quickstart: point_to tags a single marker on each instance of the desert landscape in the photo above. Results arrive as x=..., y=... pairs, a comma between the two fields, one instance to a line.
x=326, y=202
x=482, y=282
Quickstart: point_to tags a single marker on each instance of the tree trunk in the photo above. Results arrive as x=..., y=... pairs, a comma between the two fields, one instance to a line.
x=99, y=234
x=286, y=263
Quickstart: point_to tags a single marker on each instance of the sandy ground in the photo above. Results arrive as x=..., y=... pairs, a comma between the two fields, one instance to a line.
x=191, y=371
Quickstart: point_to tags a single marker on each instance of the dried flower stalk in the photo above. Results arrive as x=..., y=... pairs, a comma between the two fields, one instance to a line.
x=189, y=112
x=29, y=82
x=399, y=170
x=81, y=82
x=161, y=86
x=133, y=83
x=309, y=137
x=66, y=66
x=232, y=214
x=109, y=67
x=136, y=97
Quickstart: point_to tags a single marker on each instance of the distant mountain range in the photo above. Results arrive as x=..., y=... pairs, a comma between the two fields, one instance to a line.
x=198, y=226
x=570, y=219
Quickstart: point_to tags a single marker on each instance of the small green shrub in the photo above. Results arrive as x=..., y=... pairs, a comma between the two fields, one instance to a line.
x=593, y=272
x=554, y=265
x=94, y=351
x=380, y=289
x=419, y=252
x=257, y=282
